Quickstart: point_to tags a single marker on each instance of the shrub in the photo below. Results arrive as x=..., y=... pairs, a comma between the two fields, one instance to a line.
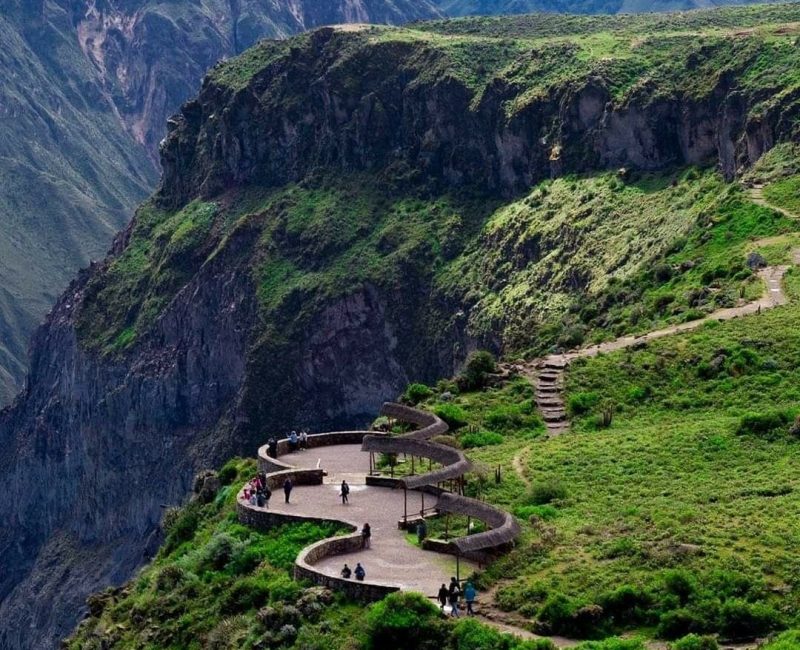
x=228, y=473
x=680, y=583
x=741, y=619
x=612, y=644
x=662, y=272
x=170, y=577
x=627, y=605
x=546, y=492
x=479, y=366
x=695, y=642
x=786, y=641
x=405, y=620
x=678, y=623
x=247, y=594
x=452, y=414
x=481, y=439
x=761, y=424
x=416, y=393
x=581, y=403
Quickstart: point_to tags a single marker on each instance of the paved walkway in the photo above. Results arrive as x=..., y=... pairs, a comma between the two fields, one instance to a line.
x=392, y=559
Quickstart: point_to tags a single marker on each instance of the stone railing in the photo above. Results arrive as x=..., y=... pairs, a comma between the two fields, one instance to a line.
x=504, y=528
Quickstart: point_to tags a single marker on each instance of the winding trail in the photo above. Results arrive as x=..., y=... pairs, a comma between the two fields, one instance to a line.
x=547, y=374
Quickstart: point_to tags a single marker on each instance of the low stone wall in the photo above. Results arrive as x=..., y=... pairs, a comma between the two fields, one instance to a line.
x=355, y=589
x=267, y=464
x=264, y=519
x=276, y=480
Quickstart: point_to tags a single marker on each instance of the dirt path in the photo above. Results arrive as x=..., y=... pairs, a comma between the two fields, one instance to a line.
x=547, y=374
x=756, y=195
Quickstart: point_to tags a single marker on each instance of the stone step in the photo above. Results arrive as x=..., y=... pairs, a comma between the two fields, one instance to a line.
x=548, y=379
x=554, y=365
x=550, y=403
x=547, y=391
x=554, y=417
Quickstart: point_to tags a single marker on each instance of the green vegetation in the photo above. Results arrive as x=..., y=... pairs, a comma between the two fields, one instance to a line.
x=217, y=584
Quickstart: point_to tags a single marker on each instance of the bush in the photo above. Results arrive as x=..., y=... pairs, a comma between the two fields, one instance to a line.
x=452, y=414
x=247, y=594
x=743, y=620
x=680, y=583
x=627, y=605
x=786, y=641
x=481, y=439
x=228, y=473
x=405, y=620
x=416, y=393
x=547, y=492
x=468, y=634
x=678, y=623
x=662, y=272
x=479, y=366
x=762, y=424
x=581, y=403
x=695, y=642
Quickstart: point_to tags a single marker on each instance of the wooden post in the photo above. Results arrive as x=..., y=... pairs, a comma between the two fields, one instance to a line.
x=458, y=567
x=412, y=465
x=469, y=521
x=370, y=463
x=422, y=512
x=447, y=526
x=405, y=507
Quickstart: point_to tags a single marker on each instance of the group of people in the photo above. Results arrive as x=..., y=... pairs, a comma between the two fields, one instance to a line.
x=451, y=595
x=359, y=572
x=257, y=492
x=296, y=440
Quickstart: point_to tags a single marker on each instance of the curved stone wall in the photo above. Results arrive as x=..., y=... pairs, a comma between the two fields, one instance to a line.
x=504, y=528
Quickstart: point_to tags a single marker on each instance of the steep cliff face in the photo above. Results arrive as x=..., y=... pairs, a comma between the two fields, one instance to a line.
x=295, y=114
x=323, y=202
x=87, y=87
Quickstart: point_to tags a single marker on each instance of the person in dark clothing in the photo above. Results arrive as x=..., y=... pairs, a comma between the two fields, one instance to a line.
x=366, y=536
x=454, y=593
x=346, y=572
x=345, y=491
x=360, y=573
x=443, y=595
x=287, y=488
x=272, y=448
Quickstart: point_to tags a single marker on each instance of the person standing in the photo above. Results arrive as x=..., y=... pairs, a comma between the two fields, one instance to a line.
x=346, y=572
x=366, y=536
x=454, y=593
x=360, y=573
x=443, y=594
x=272, y=448
x=287, y=488
x=469, y=597
x=345, y=492
x=293, y=441
x=304, y=439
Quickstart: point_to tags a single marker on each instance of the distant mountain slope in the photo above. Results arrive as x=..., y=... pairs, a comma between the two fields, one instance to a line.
x=86, y=87
x=497, y=7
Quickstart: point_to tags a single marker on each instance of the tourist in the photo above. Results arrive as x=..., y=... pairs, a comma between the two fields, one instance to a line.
x=272, y=448
x=287, y=488
x=303, y=439
x=293, y=441
x=253, y=499
x=246, y=494
x=360, y=573
x=443, y=594
x=469, y=597
x=454, y=593
x=345, y=491
x=346, y=572
x=366, y=535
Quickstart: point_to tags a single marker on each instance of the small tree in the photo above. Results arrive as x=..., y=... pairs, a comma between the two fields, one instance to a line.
x=479, y=366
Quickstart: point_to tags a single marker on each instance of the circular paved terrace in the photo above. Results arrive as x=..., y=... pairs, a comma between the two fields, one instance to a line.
x=392, y=559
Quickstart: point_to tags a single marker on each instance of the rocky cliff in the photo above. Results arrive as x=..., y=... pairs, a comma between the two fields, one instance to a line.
x=310, y=250
x=87, y=87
